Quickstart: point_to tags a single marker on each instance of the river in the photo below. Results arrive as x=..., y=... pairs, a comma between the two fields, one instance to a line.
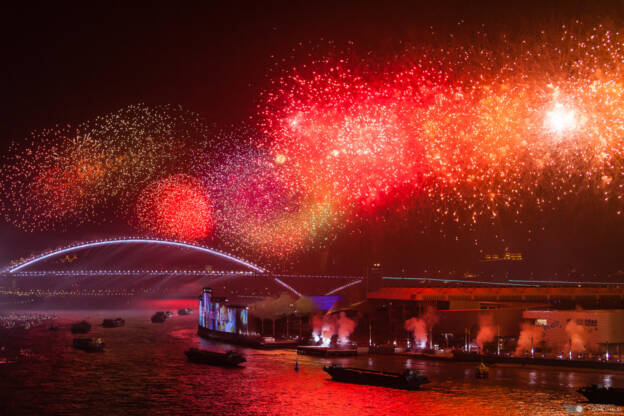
x=144, y=372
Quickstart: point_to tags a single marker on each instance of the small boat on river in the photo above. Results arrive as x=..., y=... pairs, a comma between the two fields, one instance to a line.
x=482, y=371
x=159, y=317
x=223, y=359
x=408, y=380
x=113, y=323
x=89, y=344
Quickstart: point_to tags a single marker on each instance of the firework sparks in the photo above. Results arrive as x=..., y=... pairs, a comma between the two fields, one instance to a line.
x=477, y=142
x=67, y=176
x=176, y=207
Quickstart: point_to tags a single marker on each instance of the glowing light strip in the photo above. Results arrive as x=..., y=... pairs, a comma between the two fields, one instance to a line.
x=134, y=241
x=288, y=287
x=39, y=273
x=324, y=276
x=331, y=292
x=564, y=282
x=458, y=281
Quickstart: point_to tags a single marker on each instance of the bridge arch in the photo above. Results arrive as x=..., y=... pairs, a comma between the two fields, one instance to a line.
x=119, y=241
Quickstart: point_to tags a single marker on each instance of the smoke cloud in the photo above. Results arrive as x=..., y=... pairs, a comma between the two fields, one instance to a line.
x=486, y=331
x=324, y=328
x=577, y=335
x=420, y=327
x=346, y=326
x=271, y=308
x=304, y=305
x=529, y=332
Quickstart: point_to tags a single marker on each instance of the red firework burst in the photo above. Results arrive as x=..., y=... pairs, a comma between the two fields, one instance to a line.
x=176, y=207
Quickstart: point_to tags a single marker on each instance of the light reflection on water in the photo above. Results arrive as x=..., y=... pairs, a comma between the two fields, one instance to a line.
x=144, y=371
x=532, y=377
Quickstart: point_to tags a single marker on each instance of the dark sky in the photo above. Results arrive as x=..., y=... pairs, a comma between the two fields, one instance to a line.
x=66, y=63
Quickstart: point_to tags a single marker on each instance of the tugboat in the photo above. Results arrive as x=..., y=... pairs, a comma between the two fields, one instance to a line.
x=408, y=380
x=224, y=359
x=81, y=327
x=113, y=323
x=603, y=395
x=89, y=344
x=482, y=371
x=185, y=311
x=159, y=317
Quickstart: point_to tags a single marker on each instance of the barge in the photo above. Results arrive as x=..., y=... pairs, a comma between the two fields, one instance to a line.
x=408, y=380
x=225, y=322
x=223, y=359
x=246, y=340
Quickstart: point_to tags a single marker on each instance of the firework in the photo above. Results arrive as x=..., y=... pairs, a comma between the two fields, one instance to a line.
x=176, y=207
x=258, y=212
x=491, y=141
x=68, y=176
x=482, y=139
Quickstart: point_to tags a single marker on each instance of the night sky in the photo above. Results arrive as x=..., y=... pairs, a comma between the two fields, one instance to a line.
x=69, y=64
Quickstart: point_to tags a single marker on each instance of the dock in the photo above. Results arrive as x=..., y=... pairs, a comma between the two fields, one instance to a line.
x=326, y=351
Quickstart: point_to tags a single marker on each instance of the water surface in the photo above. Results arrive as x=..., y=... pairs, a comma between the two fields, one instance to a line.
x=144, y=371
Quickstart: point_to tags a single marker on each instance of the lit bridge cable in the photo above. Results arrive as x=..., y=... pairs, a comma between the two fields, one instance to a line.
x=80, y=246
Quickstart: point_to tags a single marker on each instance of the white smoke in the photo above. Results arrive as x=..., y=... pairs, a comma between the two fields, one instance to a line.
x=486, y=331
x=577, y=336
x=421, y=327
x=325, y=327
x=418, y=328
x=530, y=335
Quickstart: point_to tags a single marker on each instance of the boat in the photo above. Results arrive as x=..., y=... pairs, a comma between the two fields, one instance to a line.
x=89, y=344
x=54, y=327
x=81, y=327
x=113, y=323
x=169, y=314
x=482, y=371
x=247, y=340
x=185, y=311
x=159, y=317
x=225, y=359
x=408, y=380
x=603, y=395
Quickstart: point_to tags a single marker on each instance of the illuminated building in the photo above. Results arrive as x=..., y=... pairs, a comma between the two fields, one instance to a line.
x=590, y=331
x=505, y=257
x=216, y=314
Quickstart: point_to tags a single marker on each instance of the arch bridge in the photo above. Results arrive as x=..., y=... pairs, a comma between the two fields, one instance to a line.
x=23, y=267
